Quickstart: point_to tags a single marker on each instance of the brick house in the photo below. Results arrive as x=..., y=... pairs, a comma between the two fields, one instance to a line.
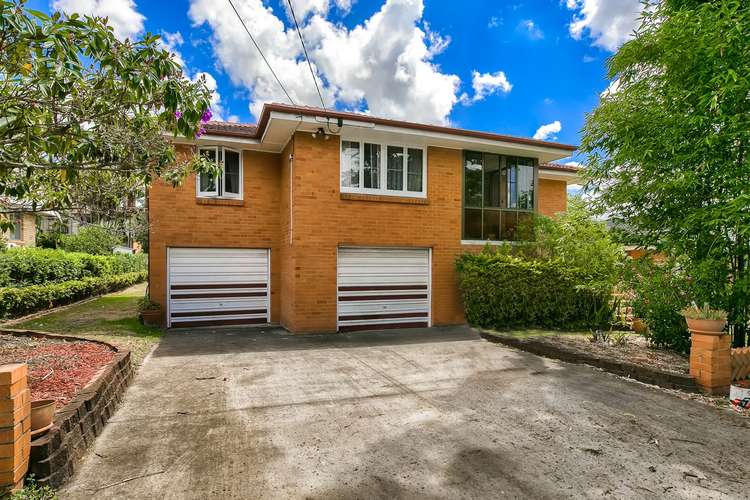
x=23, y=233
x=328, y=221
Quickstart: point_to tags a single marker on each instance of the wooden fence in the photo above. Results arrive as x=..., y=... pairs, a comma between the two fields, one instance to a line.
x=740, y=363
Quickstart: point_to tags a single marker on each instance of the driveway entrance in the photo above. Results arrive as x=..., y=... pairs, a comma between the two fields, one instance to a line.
x=433, y=413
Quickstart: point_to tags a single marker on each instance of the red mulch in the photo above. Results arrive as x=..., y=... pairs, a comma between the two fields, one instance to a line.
x=58, y=368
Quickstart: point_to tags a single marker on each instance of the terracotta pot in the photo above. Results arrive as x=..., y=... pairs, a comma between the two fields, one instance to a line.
x=42, y=412
x=151, y=317
x=706, y=326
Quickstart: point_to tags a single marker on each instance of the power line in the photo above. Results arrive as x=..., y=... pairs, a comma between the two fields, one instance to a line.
x=309, y=65
x=261, y=53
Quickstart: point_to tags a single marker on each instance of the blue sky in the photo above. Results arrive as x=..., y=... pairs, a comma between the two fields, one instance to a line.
x=508, y=67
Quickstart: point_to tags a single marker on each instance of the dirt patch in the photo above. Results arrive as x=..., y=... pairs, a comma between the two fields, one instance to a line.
x=634, y=349
x=58, y=368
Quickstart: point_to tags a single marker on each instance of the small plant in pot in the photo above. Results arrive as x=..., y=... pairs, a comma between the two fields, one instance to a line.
x=704, y=319
x=150, y=312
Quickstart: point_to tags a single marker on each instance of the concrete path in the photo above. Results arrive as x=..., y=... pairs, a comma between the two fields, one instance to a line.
x=438, y=413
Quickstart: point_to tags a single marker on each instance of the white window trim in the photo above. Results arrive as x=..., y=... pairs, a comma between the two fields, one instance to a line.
x=383, y=169
x=215, y=192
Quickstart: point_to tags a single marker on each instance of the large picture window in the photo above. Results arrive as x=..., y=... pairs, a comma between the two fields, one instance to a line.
x=228, y=184
x=498, y=196
x=381, y=168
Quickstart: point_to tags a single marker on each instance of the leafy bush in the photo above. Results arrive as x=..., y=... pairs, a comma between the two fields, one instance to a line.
x=20, y=301
x=33, y=491
x=502, y=290
x=577, y=240
x=660, y=292
x=36, y=266
x=96, y=240
x=46, y=239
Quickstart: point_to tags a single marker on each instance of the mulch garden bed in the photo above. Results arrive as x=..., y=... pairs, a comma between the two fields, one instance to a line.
x=58, y=368
x=636, y=349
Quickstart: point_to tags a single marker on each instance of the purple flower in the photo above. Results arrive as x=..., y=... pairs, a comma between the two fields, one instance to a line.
x=178, y=114
x=206, y=116
x=200, y=132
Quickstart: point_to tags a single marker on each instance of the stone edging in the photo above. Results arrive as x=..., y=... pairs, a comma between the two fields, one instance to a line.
x=55, y=454
x=641, y=373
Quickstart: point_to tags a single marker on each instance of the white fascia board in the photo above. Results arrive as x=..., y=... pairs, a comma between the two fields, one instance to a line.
x=568, y=177
x=428, y=138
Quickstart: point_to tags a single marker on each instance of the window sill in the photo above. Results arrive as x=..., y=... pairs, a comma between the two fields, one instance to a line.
x=408, y=200
x=488, y=242
x=220, y=201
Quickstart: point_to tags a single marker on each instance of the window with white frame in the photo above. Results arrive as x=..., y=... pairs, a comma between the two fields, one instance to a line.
x=382, y=168
x=228, y=184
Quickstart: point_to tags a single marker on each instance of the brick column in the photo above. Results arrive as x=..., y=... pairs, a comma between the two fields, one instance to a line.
x=15, y=426
x=711, y=362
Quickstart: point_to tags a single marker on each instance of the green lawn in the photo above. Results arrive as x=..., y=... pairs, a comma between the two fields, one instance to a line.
x=111, y=318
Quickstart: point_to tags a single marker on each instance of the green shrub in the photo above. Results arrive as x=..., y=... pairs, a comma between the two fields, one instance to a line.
x=95, y=240
x=37, y=266
x=26, y=300
x=502, y=291
x=660, y=291
x=33, y=491
x=46, y=239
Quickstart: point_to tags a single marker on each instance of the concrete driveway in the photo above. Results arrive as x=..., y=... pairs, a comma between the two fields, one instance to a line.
x=422, y=414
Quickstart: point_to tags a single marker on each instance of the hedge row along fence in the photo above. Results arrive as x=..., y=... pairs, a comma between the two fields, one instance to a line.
x=37, y=266
x=16, y=302
x=502, y=291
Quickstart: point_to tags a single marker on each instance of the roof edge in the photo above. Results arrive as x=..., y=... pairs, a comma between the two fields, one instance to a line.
x=257, y=131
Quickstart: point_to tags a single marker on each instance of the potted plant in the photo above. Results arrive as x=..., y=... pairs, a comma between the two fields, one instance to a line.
x=704, y=319
x=150, y=312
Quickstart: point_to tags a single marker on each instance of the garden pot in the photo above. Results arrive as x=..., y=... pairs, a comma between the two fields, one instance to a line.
x=706, y=326
x=151, y=317
x=42, y=412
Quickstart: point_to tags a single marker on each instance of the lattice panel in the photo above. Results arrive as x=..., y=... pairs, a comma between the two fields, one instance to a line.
x=740, y=363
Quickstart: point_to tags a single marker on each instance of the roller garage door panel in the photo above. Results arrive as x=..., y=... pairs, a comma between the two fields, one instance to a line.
x=218, y=286
x=383, y=288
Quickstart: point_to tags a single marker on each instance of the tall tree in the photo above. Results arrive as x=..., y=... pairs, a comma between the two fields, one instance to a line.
x=76, y=103
x=669, y=144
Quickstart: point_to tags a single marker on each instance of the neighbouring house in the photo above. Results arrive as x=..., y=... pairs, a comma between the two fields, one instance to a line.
x=56, y=222
x=23, y=233
x=327, y=221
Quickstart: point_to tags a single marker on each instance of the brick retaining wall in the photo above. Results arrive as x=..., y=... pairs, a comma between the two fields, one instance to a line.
x=54, y=455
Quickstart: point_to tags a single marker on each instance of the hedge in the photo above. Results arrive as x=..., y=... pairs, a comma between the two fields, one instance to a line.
x=502, y=291
x=16, y=302
x=37, y=266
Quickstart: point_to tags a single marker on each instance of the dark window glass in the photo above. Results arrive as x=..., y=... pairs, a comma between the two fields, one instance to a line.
x=491, y=181
x=473, y=223
x=350, y=169
x=395, y=172
x=491, y=225
x=414, y=170
x=17, y=227
x=473, y=180
x=510, y=223
x=512, y=183
x=208, y=182
x=371, y=166
x=525, y=184
x=231, y=172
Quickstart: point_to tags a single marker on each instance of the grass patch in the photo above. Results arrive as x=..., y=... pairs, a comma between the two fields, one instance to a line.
x=112, y=318
x=523, y=333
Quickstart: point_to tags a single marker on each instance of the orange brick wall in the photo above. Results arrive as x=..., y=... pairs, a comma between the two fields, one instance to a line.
x=552, y=197
x=304, y=224
x=28, y=231
x=176, y=219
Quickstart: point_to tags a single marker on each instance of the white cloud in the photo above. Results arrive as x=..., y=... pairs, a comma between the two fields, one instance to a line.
x=123, y=15
x=548, y=131
x=608, y=22
x=531, y=29
x=494, y=22
x=588, y=58
x=384, y=64
x=486, y=84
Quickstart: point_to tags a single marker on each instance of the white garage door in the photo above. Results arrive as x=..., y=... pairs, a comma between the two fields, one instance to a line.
x=218, y=286
x=383, y=288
